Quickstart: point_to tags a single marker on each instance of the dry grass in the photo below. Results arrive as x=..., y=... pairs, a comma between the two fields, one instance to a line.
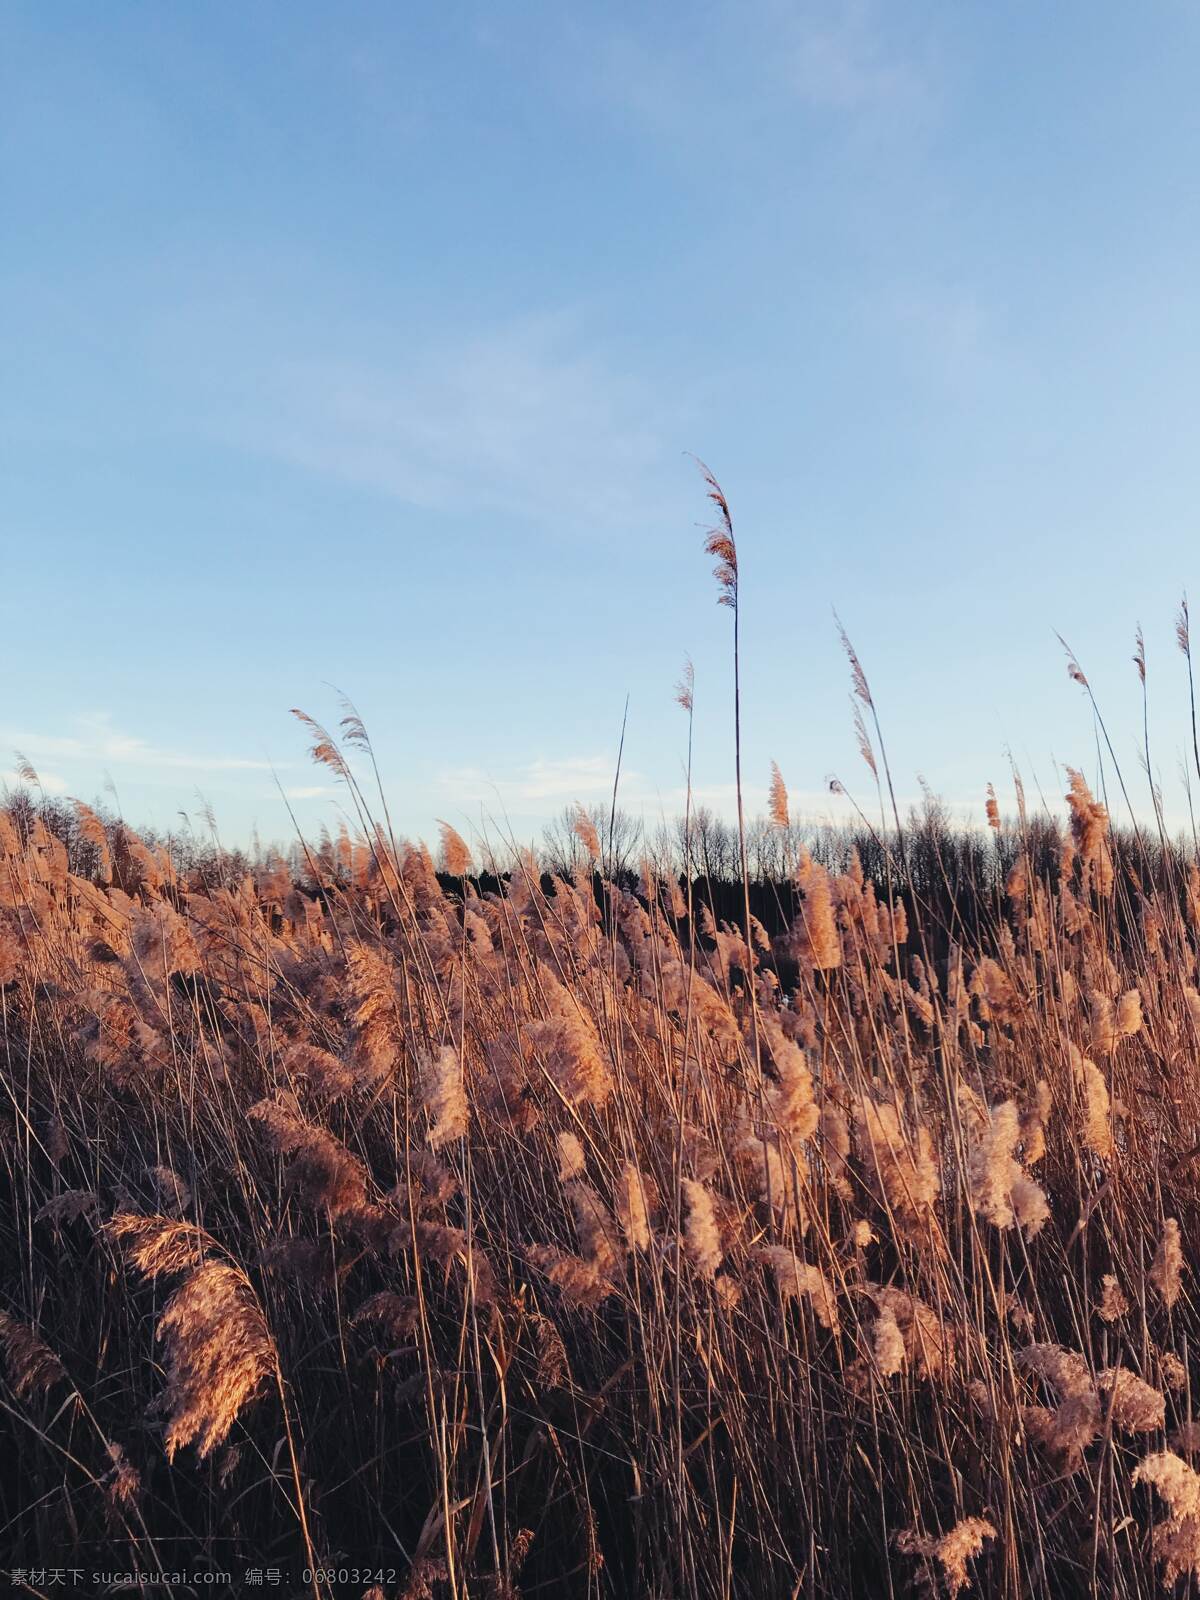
x=557, y=1241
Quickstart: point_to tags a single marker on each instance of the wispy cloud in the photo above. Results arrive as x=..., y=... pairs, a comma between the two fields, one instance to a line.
x=838, y=56
x=531, y=416
x=946, y=331
x=540, y=789
x=533, y=796
x=574, y=778
x=99, y=742
x=750, y=61
x=51, y=782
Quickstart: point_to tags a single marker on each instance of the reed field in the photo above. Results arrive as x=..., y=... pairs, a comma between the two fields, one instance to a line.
x=376, y=1224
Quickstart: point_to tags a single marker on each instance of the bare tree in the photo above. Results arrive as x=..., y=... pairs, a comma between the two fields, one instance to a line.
x=619, y=833
x=714, y=845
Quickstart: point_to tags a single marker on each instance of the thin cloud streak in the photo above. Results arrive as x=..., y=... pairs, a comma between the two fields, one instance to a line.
x=837, y=60
x=576, y=778
x=102, y=743
x=511, y=417
x=50, y=782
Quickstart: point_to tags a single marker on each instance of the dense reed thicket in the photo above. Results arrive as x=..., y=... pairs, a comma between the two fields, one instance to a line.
x=553, y=1241
x=604, y=1231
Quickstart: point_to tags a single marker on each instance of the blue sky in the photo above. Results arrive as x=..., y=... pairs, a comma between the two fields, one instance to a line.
x=363, y=344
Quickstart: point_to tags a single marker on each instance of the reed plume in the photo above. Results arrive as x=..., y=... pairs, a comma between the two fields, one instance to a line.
x=218, y=1347
x=456, y=854
x=777, y=799
x=701, y=1236
x=321, y=1168
x=1176, y=1541
x=945, y=1558
x=32, y=1366
x=1166, y=1270
x=444, y=1097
